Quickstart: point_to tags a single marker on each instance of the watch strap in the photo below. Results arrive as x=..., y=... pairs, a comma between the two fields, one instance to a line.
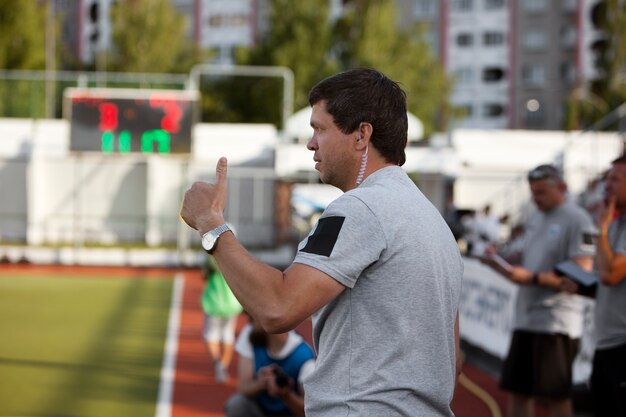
x=216, y=233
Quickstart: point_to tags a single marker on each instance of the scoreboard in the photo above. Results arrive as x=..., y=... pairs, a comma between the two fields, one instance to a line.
x=121, y=121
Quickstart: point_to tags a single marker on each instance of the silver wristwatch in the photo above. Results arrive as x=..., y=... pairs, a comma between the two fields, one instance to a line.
x=209, y=239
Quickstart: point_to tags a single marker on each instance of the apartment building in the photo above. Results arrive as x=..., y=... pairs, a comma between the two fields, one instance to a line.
x=544, y=67
x=514, y=62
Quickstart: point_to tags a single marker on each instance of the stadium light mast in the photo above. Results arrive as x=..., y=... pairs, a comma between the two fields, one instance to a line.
x=50, y=46
x=249, y=71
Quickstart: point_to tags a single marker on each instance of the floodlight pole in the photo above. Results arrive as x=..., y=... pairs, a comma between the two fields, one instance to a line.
x=249, y=71
x=50, y=61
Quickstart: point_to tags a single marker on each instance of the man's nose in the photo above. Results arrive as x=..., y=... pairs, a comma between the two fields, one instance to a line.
x=311, y=144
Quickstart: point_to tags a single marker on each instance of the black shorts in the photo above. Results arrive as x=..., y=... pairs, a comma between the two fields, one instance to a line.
x=608, y=382
x=540, y=365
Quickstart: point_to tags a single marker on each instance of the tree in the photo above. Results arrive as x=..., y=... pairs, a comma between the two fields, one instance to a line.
x=22, y=47
x=303, y=37
x=148, y=36
x=589, y=104
x=298, y=38
x=22, y=42
x=367, y=36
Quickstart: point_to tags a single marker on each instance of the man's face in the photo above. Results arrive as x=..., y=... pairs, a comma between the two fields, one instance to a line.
x=547, y=194
x=616, y=185
x=333, y=149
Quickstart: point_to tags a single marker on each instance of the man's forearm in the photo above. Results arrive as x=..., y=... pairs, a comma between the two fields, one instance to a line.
x=604, y=254
x=257, y=286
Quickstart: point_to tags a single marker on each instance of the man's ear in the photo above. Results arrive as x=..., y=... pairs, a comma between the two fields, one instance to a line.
x=363, y=134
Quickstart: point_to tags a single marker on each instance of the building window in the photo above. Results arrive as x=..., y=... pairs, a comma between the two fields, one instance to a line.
x=493, y=38
x=568, y=72
x=491, y=75
x=464, y=76
x=533, y=75
x=464, y=39
x=534, y=5
x=568, y=36
x=570, y=5
x=462, y=5
x=535, y=40
x=424, y=9
x=493, y=110
x=494, y=4
x=239, y=20
x=216, y=20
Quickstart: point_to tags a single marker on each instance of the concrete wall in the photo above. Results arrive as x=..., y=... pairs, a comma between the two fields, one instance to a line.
x=52, y=196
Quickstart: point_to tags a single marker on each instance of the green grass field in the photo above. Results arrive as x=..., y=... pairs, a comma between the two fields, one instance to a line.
x=81, y=346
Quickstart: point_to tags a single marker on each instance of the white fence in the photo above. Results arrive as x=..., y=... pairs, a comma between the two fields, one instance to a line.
x=51, y=196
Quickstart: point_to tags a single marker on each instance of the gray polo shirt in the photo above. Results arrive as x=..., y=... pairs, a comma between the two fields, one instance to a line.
x=610, y=310
x=553, y=237
x=386, y=344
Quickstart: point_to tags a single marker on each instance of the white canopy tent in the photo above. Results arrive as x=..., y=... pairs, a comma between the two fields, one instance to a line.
x=298, y=126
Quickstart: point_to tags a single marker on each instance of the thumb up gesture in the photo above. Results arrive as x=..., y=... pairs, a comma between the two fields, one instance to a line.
x=204, y=203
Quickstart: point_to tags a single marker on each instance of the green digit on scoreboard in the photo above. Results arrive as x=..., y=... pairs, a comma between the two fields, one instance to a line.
x=160, y=136
x=124, y=141
x=108, y=139
x=108, y=142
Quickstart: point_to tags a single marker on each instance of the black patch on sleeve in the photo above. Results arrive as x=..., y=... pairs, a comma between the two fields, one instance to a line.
x=323, y=240
x=590, y=238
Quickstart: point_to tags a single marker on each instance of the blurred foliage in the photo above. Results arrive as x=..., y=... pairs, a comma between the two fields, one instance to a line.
x=242, y=100
x=588, y=105
x=302, y=36
x=22, y=47
x=22, y=98
x=149, y=36
x=367, y=35
x=22, y=42
x=298, y=39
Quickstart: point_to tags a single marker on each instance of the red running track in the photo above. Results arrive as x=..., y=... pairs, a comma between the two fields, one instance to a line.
x=196, y=394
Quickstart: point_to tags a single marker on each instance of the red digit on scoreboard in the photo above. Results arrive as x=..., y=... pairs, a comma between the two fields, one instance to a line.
x=171, y=120
x=108, y=116
x=173, y=113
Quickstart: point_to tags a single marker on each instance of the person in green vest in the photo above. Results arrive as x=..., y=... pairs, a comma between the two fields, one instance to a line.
x=221, y=310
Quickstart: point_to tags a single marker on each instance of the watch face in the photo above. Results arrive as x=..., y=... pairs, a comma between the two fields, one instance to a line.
x=210, y=238
x=208, y=241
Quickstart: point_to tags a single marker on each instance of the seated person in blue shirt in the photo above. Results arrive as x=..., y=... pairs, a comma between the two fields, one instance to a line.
x=270, y=373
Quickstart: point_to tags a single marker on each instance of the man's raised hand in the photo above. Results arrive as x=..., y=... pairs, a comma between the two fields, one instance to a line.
x=204, y=203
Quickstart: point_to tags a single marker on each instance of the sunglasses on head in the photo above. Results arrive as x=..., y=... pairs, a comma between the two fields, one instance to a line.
x=543, y=172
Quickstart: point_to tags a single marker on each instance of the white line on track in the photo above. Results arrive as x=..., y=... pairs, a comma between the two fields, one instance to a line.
x=168, y=369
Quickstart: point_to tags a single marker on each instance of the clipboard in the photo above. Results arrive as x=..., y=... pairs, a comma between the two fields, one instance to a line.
x=501, y=262
x=574, y=272
x=493, y=259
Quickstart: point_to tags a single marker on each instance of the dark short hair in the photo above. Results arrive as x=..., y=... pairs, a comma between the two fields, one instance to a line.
x=545, y=172
x=367, y=95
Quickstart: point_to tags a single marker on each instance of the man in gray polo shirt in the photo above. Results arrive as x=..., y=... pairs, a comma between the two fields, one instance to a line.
x=380, y=272
x=608, y=379
x=548, y=317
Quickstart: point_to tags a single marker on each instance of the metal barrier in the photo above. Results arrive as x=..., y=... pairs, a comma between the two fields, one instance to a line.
x=85, y=200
